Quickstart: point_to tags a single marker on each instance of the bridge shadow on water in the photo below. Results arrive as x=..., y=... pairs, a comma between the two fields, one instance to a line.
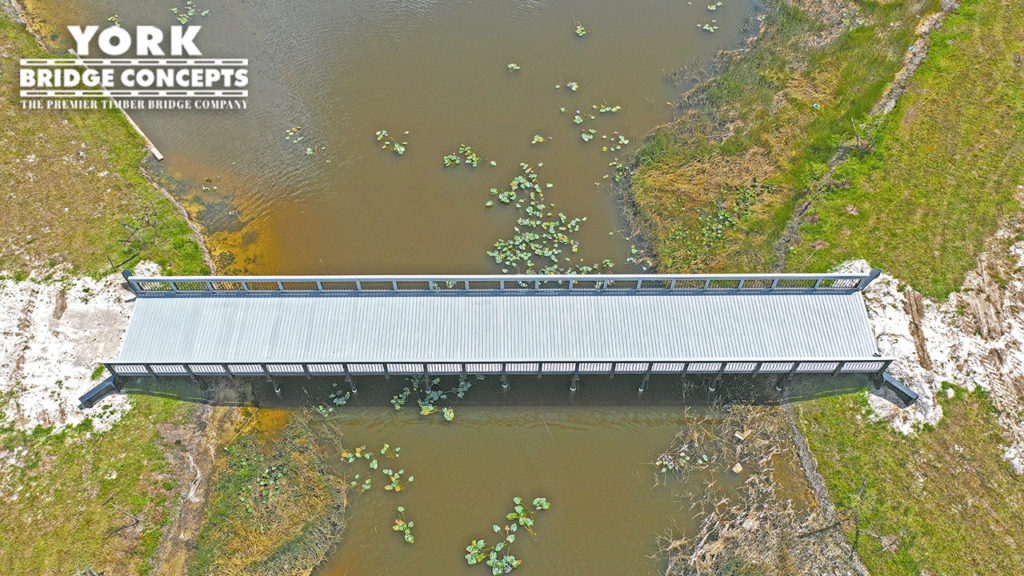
x=522, y=390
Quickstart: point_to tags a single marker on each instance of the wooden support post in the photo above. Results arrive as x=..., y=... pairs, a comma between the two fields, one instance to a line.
x=116, y=379
x=227, y=370
x=266, y=372
x=504, y=375
x=839, y=367
x=718, y=378
x=305, y=369
x=647, y=376
x=190, y=373
x=612, y=374
x=348, y=378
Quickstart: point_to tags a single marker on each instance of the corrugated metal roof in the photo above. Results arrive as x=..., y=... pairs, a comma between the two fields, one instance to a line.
x=497, y=327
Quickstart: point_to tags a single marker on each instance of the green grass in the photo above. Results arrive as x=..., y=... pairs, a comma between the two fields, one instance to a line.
x=67, y=504
x=72, y=180
x=946, y=165
x=939, y=180
x=946, y=494
x=260, y=526
x=784, y=108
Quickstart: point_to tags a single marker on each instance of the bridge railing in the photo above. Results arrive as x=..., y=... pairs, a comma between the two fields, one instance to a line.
x=609, y=283
x=790, y=367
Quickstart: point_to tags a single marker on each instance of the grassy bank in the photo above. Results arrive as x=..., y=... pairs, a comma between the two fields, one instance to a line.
x=274, y=508
x=946, y=163
x=943, y=501
x=778, y=164
x=72, y=189
x=716, y=189
x=75, y=499
x=71, y=192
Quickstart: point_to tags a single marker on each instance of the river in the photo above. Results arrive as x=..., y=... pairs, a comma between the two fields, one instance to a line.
x=334, y=202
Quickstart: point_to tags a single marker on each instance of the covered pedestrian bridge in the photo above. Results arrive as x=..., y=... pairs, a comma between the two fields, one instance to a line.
x=285, y=326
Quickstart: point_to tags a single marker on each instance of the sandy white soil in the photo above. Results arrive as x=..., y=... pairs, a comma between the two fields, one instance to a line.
x=974, y=339
x=54, y=334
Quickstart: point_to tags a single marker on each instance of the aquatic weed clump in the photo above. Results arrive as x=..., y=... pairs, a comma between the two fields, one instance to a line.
x=499, y=557
x=542, y=235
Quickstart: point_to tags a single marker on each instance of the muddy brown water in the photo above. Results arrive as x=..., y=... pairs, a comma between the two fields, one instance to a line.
x=345, y=69
x=438, y=69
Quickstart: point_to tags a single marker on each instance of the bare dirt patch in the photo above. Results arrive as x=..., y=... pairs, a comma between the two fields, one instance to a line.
x=55, y=334
x=974, y=339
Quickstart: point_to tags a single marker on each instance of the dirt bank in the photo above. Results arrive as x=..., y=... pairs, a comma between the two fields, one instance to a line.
x=974, y=339
x=56, y=330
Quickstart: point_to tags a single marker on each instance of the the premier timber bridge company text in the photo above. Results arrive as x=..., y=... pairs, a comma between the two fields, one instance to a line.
x=152, y=70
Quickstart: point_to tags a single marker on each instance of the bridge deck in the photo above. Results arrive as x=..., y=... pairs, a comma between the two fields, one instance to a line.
x=443, y=325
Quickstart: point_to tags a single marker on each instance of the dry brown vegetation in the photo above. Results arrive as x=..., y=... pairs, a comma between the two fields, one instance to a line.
x=768, y=523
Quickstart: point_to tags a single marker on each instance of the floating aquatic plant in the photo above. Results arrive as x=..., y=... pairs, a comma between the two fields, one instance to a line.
x=572, y=86
x=404, y=526
x=714, y=7
x=542, y=235
x=499, y=556
x=184, y=14
x=361, y=453
x=538, y=139
x=513, y=67
x=428, y=399
x=464, y=154
x=393, y=143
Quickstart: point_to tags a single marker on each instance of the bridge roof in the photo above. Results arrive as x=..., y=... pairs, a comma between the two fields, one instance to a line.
x=513, y=318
